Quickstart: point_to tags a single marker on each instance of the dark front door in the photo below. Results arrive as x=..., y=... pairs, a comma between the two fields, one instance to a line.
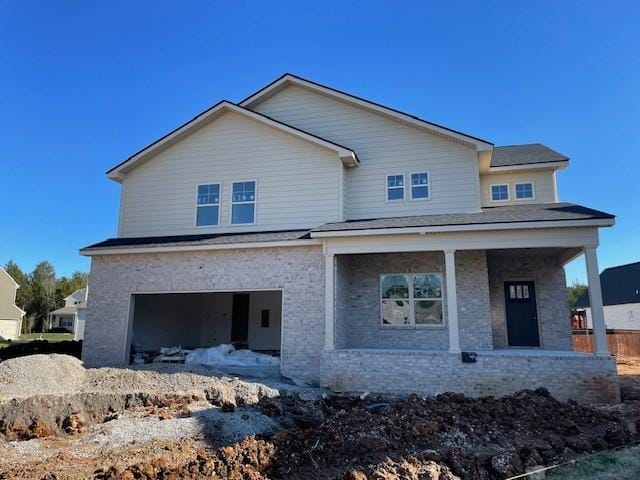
x=522, y=316
x=240, y=318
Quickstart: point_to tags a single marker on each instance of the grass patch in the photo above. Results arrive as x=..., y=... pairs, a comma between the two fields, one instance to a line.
x=619, y=465
x=51, y=337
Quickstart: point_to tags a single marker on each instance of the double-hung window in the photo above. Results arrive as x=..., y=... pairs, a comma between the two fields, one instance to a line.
x=395, y=187
x=412, y=299
x=208, y=205
x=420, y=186
x=500, y=193
x=524, y=191
x=243, y=202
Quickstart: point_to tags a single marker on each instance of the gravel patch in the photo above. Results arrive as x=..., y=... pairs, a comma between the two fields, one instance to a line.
x=41, y=375
x=206, y=423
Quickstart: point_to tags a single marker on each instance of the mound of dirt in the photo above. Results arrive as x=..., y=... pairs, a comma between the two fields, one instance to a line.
x=443, y=438
x=40, y=375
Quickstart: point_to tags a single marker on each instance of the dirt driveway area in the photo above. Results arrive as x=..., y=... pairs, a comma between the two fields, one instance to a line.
x=61, y=421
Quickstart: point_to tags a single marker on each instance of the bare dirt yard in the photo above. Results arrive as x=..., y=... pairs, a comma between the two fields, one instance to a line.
x=59, y=420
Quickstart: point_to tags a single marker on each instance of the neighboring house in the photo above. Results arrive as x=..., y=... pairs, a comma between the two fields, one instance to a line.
x=10, y=314
x=370, y=248
x=621, y=298
x=72, y=315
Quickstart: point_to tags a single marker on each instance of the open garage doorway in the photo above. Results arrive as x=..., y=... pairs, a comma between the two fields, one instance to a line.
x=246, y=319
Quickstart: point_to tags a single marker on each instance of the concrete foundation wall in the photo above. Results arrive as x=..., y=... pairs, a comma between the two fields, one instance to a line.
x=585, y=378
x=298, y=271
x=551, y=296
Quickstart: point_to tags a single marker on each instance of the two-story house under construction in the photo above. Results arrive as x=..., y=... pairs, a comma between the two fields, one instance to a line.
x=372, y=250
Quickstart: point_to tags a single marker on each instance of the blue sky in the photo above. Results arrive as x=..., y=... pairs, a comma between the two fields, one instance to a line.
x=84, y=84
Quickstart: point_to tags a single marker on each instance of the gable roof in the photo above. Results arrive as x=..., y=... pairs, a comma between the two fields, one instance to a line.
x=348, y=156
x=81, y=291
x=619, y=284
x=528, y=154
x=289, y=79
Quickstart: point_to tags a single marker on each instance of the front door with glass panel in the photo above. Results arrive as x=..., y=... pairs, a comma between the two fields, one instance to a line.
x=522, y=316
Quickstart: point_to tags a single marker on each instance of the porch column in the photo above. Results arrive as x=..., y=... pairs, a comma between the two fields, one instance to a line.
x=452, y=300
x=329, y=263
x=595, y=300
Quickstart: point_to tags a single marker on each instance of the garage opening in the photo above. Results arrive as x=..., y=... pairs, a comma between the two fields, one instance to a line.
x=247, y=320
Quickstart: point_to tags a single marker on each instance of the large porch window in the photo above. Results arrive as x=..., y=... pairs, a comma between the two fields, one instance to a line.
x=411, y=300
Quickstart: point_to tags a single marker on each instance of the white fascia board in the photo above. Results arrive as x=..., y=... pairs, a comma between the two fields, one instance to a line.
x=399, y=116
x=348, y=157
x=90, y=252
x=463, y=228
x=531, y=166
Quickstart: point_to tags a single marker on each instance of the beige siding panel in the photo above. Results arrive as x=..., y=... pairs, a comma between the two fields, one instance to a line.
x=543, y=183
x=384, y=146
x=298, y=183
x=8, y=308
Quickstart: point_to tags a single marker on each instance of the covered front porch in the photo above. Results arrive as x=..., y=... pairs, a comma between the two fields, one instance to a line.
x=482, y=313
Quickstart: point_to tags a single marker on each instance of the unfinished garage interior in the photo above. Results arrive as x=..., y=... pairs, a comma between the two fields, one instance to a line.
x=246, y=319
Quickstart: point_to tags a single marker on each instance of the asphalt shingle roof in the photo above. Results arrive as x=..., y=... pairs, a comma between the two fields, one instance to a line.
x=511, y=155
x=504, y=214
x=535, y=212
x=200, y=239
x=619, y=284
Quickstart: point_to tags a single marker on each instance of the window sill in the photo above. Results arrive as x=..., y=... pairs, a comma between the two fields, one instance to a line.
x=413, y=327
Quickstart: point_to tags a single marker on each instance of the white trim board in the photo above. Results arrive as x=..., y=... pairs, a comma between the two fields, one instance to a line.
x=463, y=228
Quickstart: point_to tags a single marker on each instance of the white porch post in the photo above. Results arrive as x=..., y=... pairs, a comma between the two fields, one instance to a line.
x=329, y=264
x=595, y=300
x=452, y=300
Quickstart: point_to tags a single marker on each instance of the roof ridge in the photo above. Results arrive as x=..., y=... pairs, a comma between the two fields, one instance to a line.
x=362, y=99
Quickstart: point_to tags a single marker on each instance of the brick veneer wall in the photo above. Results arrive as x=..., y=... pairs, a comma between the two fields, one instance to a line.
x=298, y=271
x=358, y=323
x=585, y=378
x=551, y=296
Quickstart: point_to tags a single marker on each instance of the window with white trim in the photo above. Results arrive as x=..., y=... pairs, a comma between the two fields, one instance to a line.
x=412, y=299
x=208, y=205
x=395, y=187
x=243, y=202
x=500, y=193
x=420, y=186
x=66, y=322
x=524, y=191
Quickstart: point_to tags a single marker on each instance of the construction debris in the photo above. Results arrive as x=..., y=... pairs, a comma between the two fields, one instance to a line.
x=226, y=355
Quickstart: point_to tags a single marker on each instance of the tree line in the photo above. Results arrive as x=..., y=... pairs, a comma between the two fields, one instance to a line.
x=41, y=292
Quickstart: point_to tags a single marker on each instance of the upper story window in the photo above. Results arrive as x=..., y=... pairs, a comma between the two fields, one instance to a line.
x=208, y=205
x=395, y=187
x=420, y=185
x=500, y=193
x=524, y=191
x=243, y=203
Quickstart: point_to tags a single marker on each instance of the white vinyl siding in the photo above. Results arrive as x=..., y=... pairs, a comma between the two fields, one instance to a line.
x=544, y=186
x=298, y=182
x=383, y=146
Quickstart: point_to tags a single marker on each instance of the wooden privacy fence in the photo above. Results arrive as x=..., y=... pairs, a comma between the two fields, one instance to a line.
x=621, y=343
